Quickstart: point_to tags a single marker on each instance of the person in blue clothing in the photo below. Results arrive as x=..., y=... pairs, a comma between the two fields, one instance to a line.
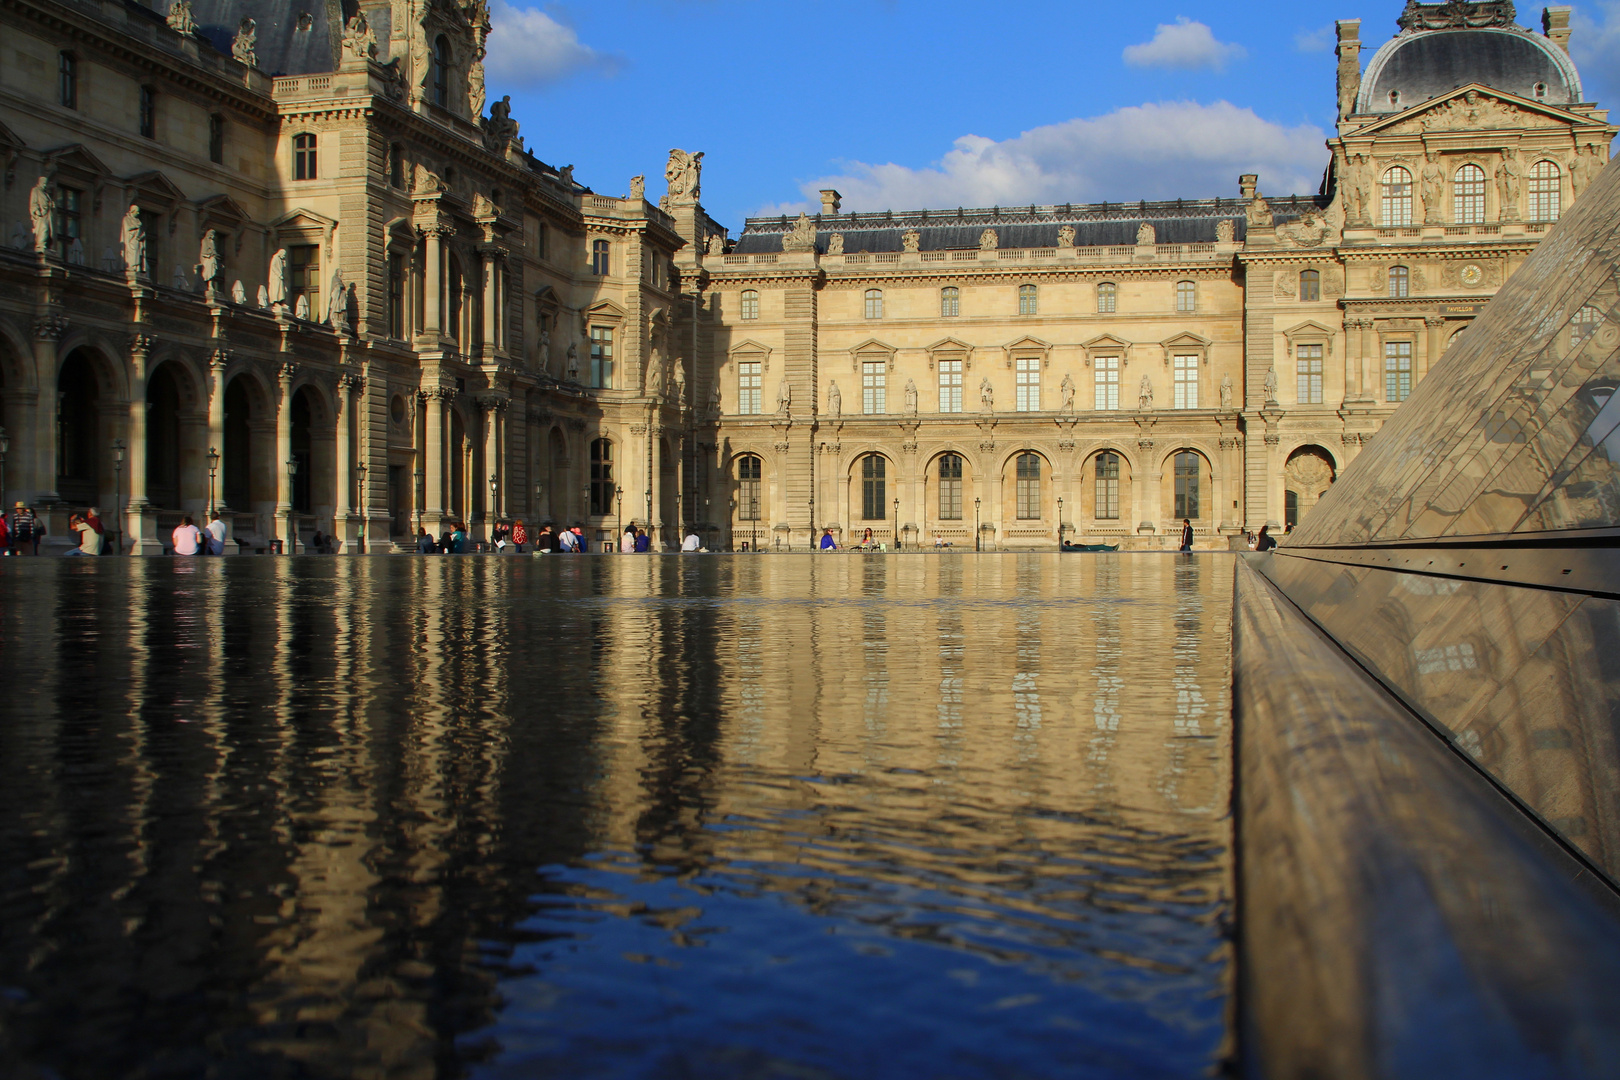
x=425, y=543
x=643, y=541
x=458, y=540
x=827, y=541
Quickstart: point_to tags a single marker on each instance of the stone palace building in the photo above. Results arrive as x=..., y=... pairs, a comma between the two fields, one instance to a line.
x=297, y=265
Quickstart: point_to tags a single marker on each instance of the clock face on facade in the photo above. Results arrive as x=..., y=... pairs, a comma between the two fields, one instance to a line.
x=1472, y=275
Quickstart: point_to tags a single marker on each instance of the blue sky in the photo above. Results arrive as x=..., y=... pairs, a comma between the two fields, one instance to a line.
x=904, y=103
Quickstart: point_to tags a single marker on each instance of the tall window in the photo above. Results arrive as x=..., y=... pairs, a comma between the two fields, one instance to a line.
x=1029, y=384
x=216, y=138
x=1186, y=485
x=600, y=255
x=748, y=385
x=1310, y=286
x=1397, y=197
x=455, y=284
x=304, y=164
x=304, y=277
x=601, y=477
x=874, y=470
x=1028, y=481
x=396, y=166
x=1308, y=373
x=602, y=356
x=1107, y=297
x=874, y=386
x=950, y=487
x=1186, y=296
x=874, y=303
x=1026, y=299
x=750, y=304
x=1107, y=382
x=950, y=302
x=1400, y=282
x=440, y=75
x=70, y=205
x=1397, y=370
x=67, y=79
x=950, y=386
x=148, y=113
x=1468, y=196
x=396, y=294
x=1544, y=191
x=1106, y=503
x=1185, y=392
x=749, y=471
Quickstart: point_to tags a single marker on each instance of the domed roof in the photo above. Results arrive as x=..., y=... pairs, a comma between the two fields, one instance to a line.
x=1421, y=64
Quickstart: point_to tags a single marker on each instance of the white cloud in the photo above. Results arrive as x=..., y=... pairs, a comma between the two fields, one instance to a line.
x=1595, y=45
x=1183, y=44
x=1318, y=40
x=530, y=48
x=1168, y=150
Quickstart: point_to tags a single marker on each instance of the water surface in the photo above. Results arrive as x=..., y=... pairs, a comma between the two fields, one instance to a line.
x=710, y=816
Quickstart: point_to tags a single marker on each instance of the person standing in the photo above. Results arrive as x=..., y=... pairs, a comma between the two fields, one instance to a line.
x=498, y=537
x=26, y=528
x=520, y=535
x=187, y=537
x=216, y=534
x=1186, y=534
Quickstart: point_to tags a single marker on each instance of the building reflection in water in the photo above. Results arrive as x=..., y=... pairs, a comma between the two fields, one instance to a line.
x=415, y=817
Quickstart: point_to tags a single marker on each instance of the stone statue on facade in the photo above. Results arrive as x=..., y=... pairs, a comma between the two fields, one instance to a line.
x=717, y=244
x=835, y=400
x=263, y=299
x=638, y=188
x=277, y=285
x=424, y=181
x=244, y=44
x=133, y=236
x=180, y=18
x=1269, y=387
x=1146, y=236
x=684, y=173
x=1225, y=231
x=335, y=297
x=1508, y=175
x=679, y=391
x=1258, y=212
x=301, y=309
x=1066, y=236
x=42, y=212
x=988, y=240
x=573, y=361
x=181, y=281
x=483, y=208
x=500, y=129
x=209, y=264
x=911, y=397
x=803, y=236
x=1226, y=392
x=987, y=395
x=1357, y=188
x=1432, y=181
x=1144, y=394
x=475, y=86
x=835, y=244
x=784, y=397
x=543, y=353
x=1067, y=392
x=75, y=252
x=565, y=176
x=911, y=240
x=238, y=293
x=358, y=40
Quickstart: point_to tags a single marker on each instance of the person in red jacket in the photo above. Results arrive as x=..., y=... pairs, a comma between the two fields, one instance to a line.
x=520, y=535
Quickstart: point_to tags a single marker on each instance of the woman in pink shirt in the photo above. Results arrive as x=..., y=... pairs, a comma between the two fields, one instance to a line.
x=187, y=537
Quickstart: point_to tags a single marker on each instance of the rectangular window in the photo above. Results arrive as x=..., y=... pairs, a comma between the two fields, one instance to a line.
x=748, y=484
x=1028, y=488
x=950, y=488
x=67, y=77
x=396, y=295
x=1186, y=296
x=749, y=379
x=750, y=304
x=950, y=386
x=599, y=257
x=1310, y=286
x=304, y=277
x=216, y=139
x=1107, y=500
x=874, y=488
x=1186, y=485
x=1186, y=384
x=1029, y=384
x=540, y=239
x=1397, y=370
x=1400, y=282
x=148, y=113
x=950, y=302
x=602, y=357
x=304, y=163
x=71, y=204
x=1468, y=195
x=1107, y=382
x=874, y=386
x=1308, y=369
x=1026, y=300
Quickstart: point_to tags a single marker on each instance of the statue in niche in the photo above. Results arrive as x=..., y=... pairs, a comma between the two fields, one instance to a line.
x=1270, y=385
x=238, y=293
x=75, y=252
x=209, y=264
x=835, y=399
x=278, y=280
x=911, y=240
x=1508, y=175
x=263, y=299
x=714, y=399
x=42, y=212
x=543, y=354
x=803, y=236
x=1067, y=391
x=1226, y=392
x=835, y=244
x=654, y=383
x=180, y=18
x=243, y=45
x=684, y=172
x=475, y=86
x=987, y=395
x=1225, y=231
x=784, y=397
x=717, y=244
x=358, y=39
x=911, y=397
x=679, y=392
x=1146, y=236
x=988, y=240
x=133, y=235
x=638, y=188
x=335, y=300
x=573, y=361
x=1144, y=394
x=1066, y=236
x=1432, y=181
x=301, y=309
x=181, y=281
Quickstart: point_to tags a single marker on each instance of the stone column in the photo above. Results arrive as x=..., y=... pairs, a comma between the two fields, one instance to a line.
x=1436, y=341
x=283, y=455
x=1370, y=365
x=140, y=524
x=433, y=284
x=216, y=417
x=654, y=489
x=433, y=458
x=343, y=486
x=48, y=333
x=492, y=459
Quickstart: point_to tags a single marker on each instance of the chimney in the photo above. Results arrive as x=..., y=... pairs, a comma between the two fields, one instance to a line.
x=831, y=200
x=1349, y=51
x=1555, y=22
x=1246, y=185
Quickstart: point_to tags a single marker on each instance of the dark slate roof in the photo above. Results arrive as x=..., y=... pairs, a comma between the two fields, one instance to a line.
x=1179, y=221
x=281, y=47
x=1425, y=64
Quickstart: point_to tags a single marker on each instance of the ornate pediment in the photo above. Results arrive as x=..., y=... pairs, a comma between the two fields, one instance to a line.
x=1471, y=108
x=1456, y=15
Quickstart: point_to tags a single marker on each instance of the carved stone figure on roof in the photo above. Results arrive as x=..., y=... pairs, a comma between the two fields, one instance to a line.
x=424, y=180
x=1067, y=391
x=1145, y=235
x=1455, y=14
x=180, y=18
x=1226, y=391
x=684, y=173
x=1508, y=175
x=1066, y=236
x=243, y=44
x=1144, y=394
x=335, y=300
x=358, y=40
x=263, y=299
x=209, y=264
x=638, y=188
x=181, y=281
x=988, y=240
x=835, y=399
x=278, y=279
x=1432, y=183
x=911, y=397
x=500, y=129
x=1309, y=230
x=1225, y=231
x=42, y=212
x=803, y=236
x=717, y=244
x=911, y=240
x=134, y=240
x=566, y=175
x=1270, y=385
x=835, y=244
x=1258, y=211
x=238, y=293
x=987, y=395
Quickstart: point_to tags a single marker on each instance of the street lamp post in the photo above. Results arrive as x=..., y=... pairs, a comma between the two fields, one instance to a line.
x=649, y=515
x=421, y=497
x=975, y=523
x=618, y=526
x=1060, y=521
x=118, y=490
x=5, y=444
x=534, y=511
x=494, y=514
x=213, y=470
x=897, y=523
x=360, y=480
x=292, y=478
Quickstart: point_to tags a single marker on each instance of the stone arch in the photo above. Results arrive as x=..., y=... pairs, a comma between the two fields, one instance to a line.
x=1308, y=472
x=314, y=448
x=1191, y=495
x=947, y=501
x=247, y=460
x=91, y=412
x=554, y=506
x=1028, y=491
x=176, y=429
x=1105, y=500
x=879, y=501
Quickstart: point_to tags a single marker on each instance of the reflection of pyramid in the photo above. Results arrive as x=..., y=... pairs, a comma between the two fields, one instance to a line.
x=1514, y=431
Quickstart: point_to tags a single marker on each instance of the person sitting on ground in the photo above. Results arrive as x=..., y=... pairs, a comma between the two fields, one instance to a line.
x=692, y=542
x=565, y=540
x=216, y=534
x=458, y=539
x=187, y=537
x=866, y=541
x=827, y=541
x=643, y=541
x=1264, y=542
x=627, y=542
x=424, y=542
x=581, y=546
x=446, y=539
x=89, y=538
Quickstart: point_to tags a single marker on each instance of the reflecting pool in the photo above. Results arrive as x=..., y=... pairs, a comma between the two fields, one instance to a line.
x=712, y=816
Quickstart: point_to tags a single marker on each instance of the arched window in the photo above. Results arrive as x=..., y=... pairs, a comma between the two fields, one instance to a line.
x=750, y=304
x=1105, y=506
x=749, y=471
x=1468, y=196
x=874, y=303
x=1400, y=282
x=874, y=470
x=304, y=161
x=439, y=76
x=1026, y=299
x=1544, y=191
x=67, y=79
x=1290, y=509
x=1397, y=197
x=1186, y=485
x=950, y=302
x=1186, y=296
x=601, y=477
x=1107, y=297
x=950, y=487
x=1310, y=286
x=1028, y=481
x=1585, y=321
